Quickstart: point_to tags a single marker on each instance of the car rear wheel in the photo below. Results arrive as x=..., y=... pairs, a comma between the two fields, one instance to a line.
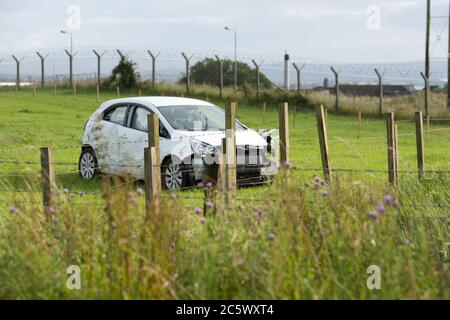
x=175, y=176
x=88, y=165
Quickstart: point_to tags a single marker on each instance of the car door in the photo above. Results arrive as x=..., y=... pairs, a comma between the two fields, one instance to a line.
x=107, y=138
x=137, y=137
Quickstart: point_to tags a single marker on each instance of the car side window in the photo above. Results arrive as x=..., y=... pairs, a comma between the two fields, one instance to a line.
x=116, y=115
x=139, y=121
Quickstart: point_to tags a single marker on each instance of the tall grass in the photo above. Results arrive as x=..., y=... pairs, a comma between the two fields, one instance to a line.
x=403, y=106
x=304, y=240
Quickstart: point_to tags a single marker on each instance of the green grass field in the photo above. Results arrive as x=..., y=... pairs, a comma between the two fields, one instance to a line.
x=298, y=241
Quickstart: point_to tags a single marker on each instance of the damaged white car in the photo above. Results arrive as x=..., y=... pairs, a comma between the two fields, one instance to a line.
x=190, y=132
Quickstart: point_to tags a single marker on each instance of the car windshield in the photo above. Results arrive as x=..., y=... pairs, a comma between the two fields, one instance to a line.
x=196, y=118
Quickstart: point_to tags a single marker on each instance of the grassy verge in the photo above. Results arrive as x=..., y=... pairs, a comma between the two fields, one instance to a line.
x=303, y=240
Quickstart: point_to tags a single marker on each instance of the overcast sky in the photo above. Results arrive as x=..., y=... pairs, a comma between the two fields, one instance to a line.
x=330, y=30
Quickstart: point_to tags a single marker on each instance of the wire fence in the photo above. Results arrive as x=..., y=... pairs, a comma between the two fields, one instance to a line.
x=295, y=166
x=170, y=65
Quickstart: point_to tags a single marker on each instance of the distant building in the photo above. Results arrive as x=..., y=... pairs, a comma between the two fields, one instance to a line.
x=370, y=89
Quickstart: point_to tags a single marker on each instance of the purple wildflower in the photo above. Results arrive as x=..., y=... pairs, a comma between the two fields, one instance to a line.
x=388, y=199
x=209, y=185
x=373, y=215
x=133, y=200
x=65, y=190
x=209, y=205
x=200, y=185
x=197, y=210
x=277, y=167
x=173, y=196
x=51, y=210
x=271, y=237
x=324, y=193
x=81, y=193
x=13, y=210
x=203, y=220
x=316, y=185
x=139, y=191
x=380, y=207
x=286, y=165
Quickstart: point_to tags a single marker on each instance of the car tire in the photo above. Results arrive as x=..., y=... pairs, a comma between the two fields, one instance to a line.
x=88, y=164
x=175, y=176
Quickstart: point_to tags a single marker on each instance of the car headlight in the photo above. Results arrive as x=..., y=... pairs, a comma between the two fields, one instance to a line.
x=202, y=148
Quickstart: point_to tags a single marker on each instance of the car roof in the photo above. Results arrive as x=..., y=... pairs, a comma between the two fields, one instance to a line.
x=161, y=101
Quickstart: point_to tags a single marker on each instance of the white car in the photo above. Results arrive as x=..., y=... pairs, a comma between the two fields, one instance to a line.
x=190, y=137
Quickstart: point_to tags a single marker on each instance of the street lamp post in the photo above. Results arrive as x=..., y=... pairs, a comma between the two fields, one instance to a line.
x=71, y=40
x=70, y=56
x=235, y=54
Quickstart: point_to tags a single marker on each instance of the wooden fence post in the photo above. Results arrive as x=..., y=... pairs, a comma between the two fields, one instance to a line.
x=391, y=141
x=419, y=143
x=323, y=142
x=396, y=163
x=48, y=179
x=359, y=123
x=74, y=90
x=34, y=88
x=230, y=154
x=152, y=166
x=284, y=133
x=264, y=110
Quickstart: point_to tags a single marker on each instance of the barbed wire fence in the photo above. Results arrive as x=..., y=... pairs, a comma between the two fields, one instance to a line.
x=170, y=65
x=295, y=166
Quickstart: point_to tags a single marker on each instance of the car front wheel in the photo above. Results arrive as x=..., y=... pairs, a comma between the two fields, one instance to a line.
x=175, y=176
x=88, y=165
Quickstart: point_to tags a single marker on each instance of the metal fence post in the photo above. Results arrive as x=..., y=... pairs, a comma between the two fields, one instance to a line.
x=336, y=90
x=220, y=75
x=380, y=90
